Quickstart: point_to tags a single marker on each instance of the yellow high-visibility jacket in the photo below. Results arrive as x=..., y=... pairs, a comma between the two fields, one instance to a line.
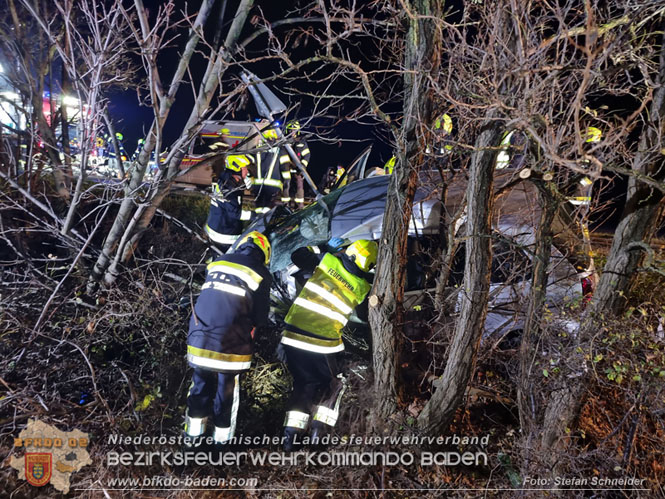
x=316, y=318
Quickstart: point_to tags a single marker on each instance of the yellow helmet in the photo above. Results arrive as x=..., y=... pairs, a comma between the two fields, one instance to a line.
x=236, y=162
x=390, y=165
x=270, y=133
x=293, y=126
x=593, y=134
x=444, y=122
x=363, y=253
x=259, y=240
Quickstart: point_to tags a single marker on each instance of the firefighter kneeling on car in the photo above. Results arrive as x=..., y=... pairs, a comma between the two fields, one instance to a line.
x=234, y=299
x=313, y=333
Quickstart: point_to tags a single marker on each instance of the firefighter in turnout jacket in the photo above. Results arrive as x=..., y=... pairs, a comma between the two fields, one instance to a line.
x=270, y=172
x=313, y=333
x=234, y=299
x=293, y=179
x=226, y=215
x=570, y=224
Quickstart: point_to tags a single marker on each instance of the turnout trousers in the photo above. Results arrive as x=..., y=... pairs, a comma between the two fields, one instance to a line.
x=317, y=390
x=217, y=394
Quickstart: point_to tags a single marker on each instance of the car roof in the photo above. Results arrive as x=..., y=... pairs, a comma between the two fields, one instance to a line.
x=354, y=211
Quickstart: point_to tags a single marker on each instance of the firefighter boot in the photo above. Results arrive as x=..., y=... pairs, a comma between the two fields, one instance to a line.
x=295, y=424
x=316, y=432
x=291, y=439
x=195, y=428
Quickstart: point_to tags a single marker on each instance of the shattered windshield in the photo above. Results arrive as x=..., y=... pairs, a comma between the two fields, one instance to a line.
x=307, y=227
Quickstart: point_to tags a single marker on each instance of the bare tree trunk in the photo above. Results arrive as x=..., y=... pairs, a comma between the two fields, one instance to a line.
x=440, y=409
x=163, y=108
x=208, y=88
x=630, y=238
x=50, y=148
x=422, y=59
x=89, y=90
x=530, y=336
x=45, y=131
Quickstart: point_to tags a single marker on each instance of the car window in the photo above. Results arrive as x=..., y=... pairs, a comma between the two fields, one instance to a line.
x=509, y=263
x=307, y=227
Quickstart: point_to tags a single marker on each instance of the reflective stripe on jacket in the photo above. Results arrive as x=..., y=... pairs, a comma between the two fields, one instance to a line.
x=224, y=218
x=234, y=299
x=316, y=318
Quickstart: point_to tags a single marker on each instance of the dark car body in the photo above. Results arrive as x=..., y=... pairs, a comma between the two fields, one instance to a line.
x=356, y=211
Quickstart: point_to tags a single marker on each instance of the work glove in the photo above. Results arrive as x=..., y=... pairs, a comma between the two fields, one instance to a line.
x=335, y=244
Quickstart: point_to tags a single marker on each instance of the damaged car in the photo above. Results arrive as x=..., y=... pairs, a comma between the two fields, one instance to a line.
x=355, y=211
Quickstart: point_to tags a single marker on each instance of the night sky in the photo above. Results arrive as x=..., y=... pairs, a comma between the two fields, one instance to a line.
x=133, y=120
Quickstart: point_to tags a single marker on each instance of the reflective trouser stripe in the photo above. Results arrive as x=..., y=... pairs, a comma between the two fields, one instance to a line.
x=245, y=215
x=303, y=345
x=285, y=200
x=262, y=210
x=296, y=419
x=220, y=238
x=195, y=427
x=322, y=310
x=222, y=435
x=217, y=364
x=236, y=403
x=299, y=200
x=326, y=415
x=286, y=175
x=226, y=288
x=284, y=159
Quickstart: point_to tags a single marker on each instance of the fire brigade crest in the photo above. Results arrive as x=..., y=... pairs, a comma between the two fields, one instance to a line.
x=37, y=468
x=43, y=455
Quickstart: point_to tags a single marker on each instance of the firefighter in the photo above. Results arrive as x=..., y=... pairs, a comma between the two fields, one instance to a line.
x=570, y=228
x=442, y=146
x=442, y=134
x=571, y=219
x=328, y=180
x=266, y=173
x=234, y=299
x=274, y=169
x=313, y=333
x=226, y=215
x=301, y=148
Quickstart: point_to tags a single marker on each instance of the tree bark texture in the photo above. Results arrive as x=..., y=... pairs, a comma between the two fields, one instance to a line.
x=440, y=409
x=163, y=106
x=422, y=53
x=633, y=232
x=528, y=346
x=208, y=87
